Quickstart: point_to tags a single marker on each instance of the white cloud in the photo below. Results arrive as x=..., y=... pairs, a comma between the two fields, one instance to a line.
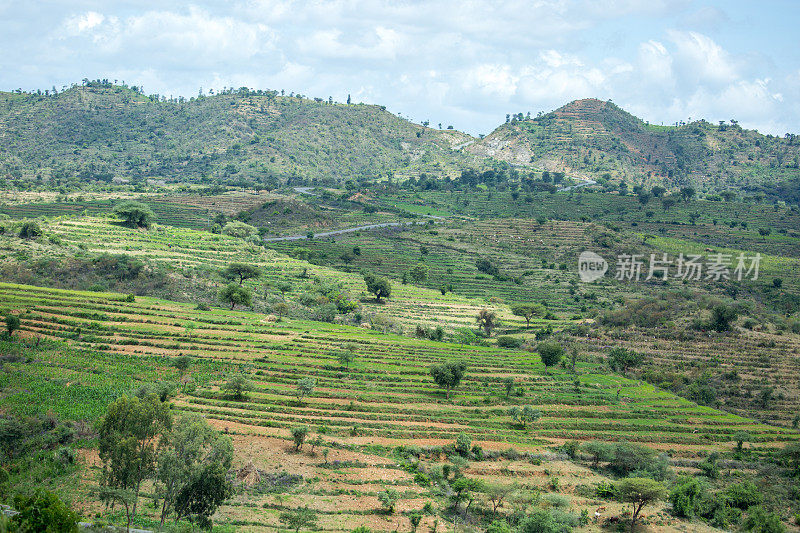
x=701, y=59
x=443, y=60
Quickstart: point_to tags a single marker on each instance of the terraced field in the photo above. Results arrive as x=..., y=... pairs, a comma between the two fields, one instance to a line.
x=387, y=392
x=384, y=399
x=185, y=250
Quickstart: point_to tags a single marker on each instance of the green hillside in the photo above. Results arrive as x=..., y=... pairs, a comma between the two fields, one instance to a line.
x=102, y=132
x=599, y=139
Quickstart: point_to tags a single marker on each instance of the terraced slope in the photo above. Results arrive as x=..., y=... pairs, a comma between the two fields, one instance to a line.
x=185, y=251
x=386, y=393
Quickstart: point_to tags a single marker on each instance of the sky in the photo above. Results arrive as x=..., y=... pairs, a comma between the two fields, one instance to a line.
x=465, y=63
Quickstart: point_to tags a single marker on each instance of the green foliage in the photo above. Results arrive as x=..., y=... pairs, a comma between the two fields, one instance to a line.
x=722, y=316
x=487, y=321
x=524, y=415
x=743, y=495
x=240, y=272
x=622, y=359
x=448, y=375
x=30, y=229
x=239, y=229
x=299, y=518
x=599, y=451
x=305, y=386
x=628, y=458
x=235, y=295
x=550, y=352
x=236, y=387
x=760, y=520
x=548, y=521
x=12, y=324
x=388, y=499
x=192, y=470
x=687, y=497
x=529, y=311
x=299, y=434
x=378, y=286
x=640, y=492
x=507, y=341
x=135, y=214
x=130, y=436
x=462, y=444
x=43, y=511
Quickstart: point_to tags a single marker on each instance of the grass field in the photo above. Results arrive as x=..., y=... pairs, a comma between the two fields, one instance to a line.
x=385, y=398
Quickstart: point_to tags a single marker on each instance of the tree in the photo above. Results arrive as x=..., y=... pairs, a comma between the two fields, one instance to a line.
x=464, y=489
x=687, y=497
x=528, y=311
x=687, y=193
x=598, y=451
x=235, y=295
x=236, y=387
x=347, y=355
x=130, y=437
x=667, y=202
x=188, y=478
x=418, y=273
x=305, y=386
x=448, y=375
x=299, y=434
x=639, y=492
x=378, y=286
x=658, y=192
x=281, y=308
x=126, y=498
x=761, y=521
x=302, y=517
x=741, y=437
x=550, y=353
x=497, y=493
x=629, y=458
x=388, y=499
x=241, y=271
x=135, y=214
x=487, y=321
x=43, y=511
x=791, y=457
x=721, y=317
x=621, y=359
x=181, y=363
x=12, y=324
x=524, y=415
x=203, y=494
x=30, y=230
x=508, y=385
x=239, y=229
x=415, y=519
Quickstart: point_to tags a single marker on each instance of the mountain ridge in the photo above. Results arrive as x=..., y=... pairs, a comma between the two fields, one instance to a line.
x=104, y=133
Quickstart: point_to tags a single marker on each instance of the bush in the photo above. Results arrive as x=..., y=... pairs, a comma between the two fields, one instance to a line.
x=239, y=229
x=30, y=230
x=629, y=458
x=761, y=521
x=135, y=214
x=550, y=352
x=43, y=511
x=687, y=497
x=507, y=341
x=743, y=495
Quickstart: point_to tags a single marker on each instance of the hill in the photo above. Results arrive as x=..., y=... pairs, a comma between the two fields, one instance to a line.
x=596, y=138
x=103, y=132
